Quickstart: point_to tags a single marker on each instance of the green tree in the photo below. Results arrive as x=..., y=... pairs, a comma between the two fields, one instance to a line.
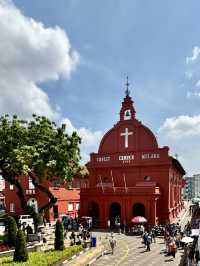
x=40, y=149
x=21, y=253
x=59, y=237
x=12, y=231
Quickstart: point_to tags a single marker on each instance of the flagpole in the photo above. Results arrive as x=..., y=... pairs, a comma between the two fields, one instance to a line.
x=125, y=182
x=112, y=180
x=101, y=183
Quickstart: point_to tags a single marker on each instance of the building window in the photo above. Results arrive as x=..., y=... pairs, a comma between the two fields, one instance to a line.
x=105, y=180
x=77, y=206
x=12, y=207
x=56, y=183
x=11, y=187
x=147, y=178
x=30, y=183
x=70, y=206
x=2, y=183
x=76, y=184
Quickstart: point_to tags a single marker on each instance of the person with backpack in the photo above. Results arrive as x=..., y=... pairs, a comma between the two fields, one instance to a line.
x=112, y=242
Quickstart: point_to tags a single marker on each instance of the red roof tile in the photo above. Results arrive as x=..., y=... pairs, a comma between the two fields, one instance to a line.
x=65, y=194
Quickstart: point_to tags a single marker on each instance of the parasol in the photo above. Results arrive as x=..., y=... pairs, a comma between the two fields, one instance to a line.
x=139, y=220
x=187, y=239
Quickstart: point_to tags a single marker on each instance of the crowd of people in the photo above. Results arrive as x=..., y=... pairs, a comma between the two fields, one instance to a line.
x=80, y=237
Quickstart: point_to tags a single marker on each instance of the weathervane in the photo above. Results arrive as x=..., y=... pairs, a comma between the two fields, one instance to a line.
x=127, y=92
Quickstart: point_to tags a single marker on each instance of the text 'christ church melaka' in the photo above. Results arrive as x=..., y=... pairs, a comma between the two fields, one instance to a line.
x=131, y=176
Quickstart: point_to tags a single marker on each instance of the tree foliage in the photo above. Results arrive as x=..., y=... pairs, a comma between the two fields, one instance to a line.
x=21, y=253
x=59, y=236
x=40, y=149
x=12, y=231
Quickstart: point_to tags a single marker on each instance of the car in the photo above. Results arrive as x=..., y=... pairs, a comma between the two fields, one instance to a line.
x=25, y=220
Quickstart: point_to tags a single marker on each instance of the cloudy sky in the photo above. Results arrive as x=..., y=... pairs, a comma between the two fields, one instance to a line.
x=68, y=59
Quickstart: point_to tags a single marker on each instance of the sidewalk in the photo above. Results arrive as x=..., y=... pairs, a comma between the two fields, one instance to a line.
x=88, y=256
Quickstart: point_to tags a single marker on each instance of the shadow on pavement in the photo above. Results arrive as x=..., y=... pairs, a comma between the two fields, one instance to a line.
x=169, y=260
x=144, y=251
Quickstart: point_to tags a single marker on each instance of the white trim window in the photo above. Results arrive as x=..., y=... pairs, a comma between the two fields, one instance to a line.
x=11, y=187
x=70, y=206
x=30, y=183
x=77, y=206
x=12, y=207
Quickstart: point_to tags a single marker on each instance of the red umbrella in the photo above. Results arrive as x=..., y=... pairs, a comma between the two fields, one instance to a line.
x=139, y=220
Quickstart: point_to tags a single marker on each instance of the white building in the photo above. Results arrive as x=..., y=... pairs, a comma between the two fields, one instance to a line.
x=188, y=188
x=196, y=186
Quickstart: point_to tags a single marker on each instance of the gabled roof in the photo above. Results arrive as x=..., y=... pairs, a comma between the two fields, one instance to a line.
x=178, y=165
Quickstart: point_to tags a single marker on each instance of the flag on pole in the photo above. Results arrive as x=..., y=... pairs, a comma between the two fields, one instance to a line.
x=112, y=180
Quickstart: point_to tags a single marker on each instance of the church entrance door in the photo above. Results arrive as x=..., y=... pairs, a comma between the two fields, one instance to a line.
x=93, y=211
x=138, y=210
x=115, y=213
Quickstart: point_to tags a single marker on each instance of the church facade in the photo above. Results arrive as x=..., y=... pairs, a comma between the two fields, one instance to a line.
x=131, y=175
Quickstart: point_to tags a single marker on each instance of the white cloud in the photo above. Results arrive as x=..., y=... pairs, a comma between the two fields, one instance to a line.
x=182, y=135
x=30, y=54
x=193, y=94
x=188, y=74
x=181, y=126
x=195, y=55
x=198, y=83
x=90, y=138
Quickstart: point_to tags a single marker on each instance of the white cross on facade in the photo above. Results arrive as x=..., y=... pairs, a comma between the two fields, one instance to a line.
x=126, y=134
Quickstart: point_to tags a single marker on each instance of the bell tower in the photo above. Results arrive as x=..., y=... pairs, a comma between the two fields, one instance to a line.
x=127, y=111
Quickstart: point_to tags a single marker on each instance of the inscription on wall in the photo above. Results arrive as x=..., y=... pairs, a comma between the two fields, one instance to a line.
x=126, y=157
x=150, y=156
x=103, y=159
x=129, y=157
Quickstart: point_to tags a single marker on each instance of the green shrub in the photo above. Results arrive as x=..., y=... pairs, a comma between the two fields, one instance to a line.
x=12, y=231
x=21, y=253
x=59, y=237
x=43, y=258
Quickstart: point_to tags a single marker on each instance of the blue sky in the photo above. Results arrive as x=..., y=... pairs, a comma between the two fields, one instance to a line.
x=153, y=42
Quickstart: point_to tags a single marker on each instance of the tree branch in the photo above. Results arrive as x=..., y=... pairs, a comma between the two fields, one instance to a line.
x=52, y=199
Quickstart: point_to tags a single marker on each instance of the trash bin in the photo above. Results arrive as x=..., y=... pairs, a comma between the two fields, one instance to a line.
x=93, y=241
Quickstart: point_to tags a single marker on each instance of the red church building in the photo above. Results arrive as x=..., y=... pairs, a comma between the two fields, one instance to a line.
x=131, y=175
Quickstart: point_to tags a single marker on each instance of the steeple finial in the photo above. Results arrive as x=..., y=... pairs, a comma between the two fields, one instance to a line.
x=127, y=92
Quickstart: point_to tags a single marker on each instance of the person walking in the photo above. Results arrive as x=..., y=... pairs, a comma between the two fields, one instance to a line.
x=173, y=249
x=148, y=242
x=145, y=235
x=112, y=242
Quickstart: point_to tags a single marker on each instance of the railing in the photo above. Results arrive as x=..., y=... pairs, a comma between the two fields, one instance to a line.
x=130, y=190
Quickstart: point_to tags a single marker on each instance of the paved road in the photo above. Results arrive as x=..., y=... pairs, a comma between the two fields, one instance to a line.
x=131, y=252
